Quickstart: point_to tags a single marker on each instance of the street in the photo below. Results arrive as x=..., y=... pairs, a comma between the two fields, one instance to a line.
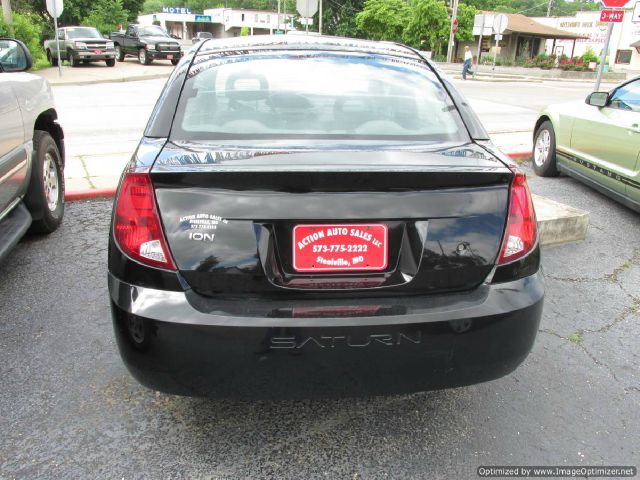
x=71, y=410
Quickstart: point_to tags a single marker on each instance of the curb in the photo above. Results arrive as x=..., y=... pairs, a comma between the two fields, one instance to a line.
x=111, y=192
x=133, y=78
x=519, y=155
x=88, y=194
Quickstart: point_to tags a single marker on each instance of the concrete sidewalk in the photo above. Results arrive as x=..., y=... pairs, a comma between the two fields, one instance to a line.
x=98, y=72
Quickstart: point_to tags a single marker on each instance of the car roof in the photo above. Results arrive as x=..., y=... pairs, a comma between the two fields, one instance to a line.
x=307, y=42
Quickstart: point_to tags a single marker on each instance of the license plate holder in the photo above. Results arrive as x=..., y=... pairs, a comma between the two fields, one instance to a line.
x=169, y=57
x=340, y=247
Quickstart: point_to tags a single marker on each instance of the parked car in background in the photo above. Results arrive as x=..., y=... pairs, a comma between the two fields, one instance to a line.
x=596, y=141
x=80, y=44
x=314, y=216
x=31, y=150
x=201, y=36
x=147, y=43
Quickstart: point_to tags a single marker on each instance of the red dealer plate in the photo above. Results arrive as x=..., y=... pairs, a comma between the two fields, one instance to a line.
x=337, y=248
x=98, y=52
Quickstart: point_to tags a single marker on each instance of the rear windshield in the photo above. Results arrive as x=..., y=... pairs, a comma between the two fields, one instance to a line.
x=83, y=32
x=314, y=95
x=152, y=31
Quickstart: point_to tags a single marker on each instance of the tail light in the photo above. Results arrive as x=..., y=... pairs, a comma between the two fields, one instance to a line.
x=137, y=226
x=521, y=231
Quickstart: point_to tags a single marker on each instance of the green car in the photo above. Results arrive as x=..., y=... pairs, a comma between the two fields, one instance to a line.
x=596, y=142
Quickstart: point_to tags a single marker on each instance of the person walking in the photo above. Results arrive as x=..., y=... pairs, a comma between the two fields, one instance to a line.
x=466, y=67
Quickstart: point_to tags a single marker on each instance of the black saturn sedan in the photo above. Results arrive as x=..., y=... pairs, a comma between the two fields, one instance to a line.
x=314, y=217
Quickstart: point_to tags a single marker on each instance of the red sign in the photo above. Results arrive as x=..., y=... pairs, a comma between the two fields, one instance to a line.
x=614, y=3
x=335, y=248
x=611, y=16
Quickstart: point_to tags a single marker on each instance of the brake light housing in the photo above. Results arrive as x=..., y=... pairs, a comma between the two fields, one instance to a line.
x=136, y=225
x=521, y=232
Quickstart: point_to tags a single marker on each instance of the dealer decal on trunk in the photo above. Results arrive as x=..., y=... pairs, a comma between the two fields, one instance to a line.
x=200, y=225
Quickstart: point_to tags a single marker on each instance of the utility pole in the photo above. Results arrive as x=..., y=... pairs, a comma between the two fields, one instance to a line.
x=451, y=34
x=549, y=6
x=603, y=57
x=6, y=13
x=278, y=28
x=480, y=42
x=320, y=19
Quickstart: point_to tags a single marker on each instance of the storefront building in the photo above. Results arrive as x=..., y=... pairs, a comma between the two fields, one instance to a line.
x=524, y=38
x=220, y=22
x=623, y=54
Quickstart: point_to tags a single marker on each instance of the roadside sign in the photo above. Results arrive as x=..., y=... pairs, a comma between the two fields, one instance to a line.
x=483, y=24
x=614, y=3
x=55, y=8
x=203, y=18
x=611, y=16
x=307, y=8
x=636, y=13
x=500, y=23
x=498, y=36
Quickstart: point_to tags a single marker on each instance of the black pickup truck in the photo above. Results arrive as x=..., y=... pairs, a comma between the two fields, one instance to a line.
x=148, y=43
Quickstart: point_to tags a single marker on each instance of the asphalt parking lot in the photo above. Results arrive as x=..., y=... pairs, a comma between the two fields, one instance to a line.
x=71, y=410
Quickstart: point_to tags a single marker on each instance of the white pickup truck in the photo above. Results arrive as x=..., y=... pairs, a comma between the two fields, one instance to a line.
x=80, y=45
x=31, y=150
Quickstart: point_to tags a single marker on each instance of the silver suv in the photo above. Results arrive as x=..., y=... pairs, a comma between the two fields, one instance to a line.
x=31, y=150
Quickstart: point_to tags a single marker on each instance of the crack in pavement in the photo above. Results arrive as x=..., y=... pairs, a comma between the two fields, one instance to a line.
x=584, y=349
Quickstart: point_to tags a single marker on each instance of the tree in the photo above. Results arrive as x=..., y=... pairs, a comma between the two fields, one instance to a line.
x=383, y=19
x=466, y=15
x=105, y=15
x=339, y=18
x=27, y=27
x=428, y=26
x=134, y=7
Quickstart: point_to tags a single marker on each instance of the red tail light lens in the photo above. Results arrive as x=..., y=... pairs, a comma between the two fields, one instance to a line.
x=521, y=232
x=137, y=226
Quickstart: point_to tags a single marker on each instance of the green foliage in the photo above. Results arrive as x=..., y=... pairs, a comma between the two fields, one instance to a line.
x=105, y=15
x=384, y=19
x=27, y=27
x=428, y=26
x=133, y=7
x=589, y=56
x=245, y=31
x=466, y=15
x=152, y=6
x=340, y=18
x=544, y=61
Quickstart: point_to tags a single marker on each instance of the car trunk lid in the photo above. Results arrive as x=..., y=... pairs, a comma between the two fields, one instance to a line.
x=296, y=222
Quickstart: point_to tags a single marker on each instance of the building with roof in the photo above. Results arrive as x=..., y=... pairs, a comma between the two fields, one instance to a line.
x=220, y=22
x=625, y=38
x=523, y=38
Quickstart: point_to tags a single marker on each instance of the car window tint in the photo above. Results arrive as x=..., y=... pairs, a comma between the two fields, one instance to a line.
x=82, y=32
x=627, y=97
x=152, y=31
x=311, y=94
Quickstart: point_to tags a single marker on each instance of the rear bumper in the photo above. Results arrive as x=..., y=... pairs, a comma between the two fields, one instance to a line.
x=181, y=343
